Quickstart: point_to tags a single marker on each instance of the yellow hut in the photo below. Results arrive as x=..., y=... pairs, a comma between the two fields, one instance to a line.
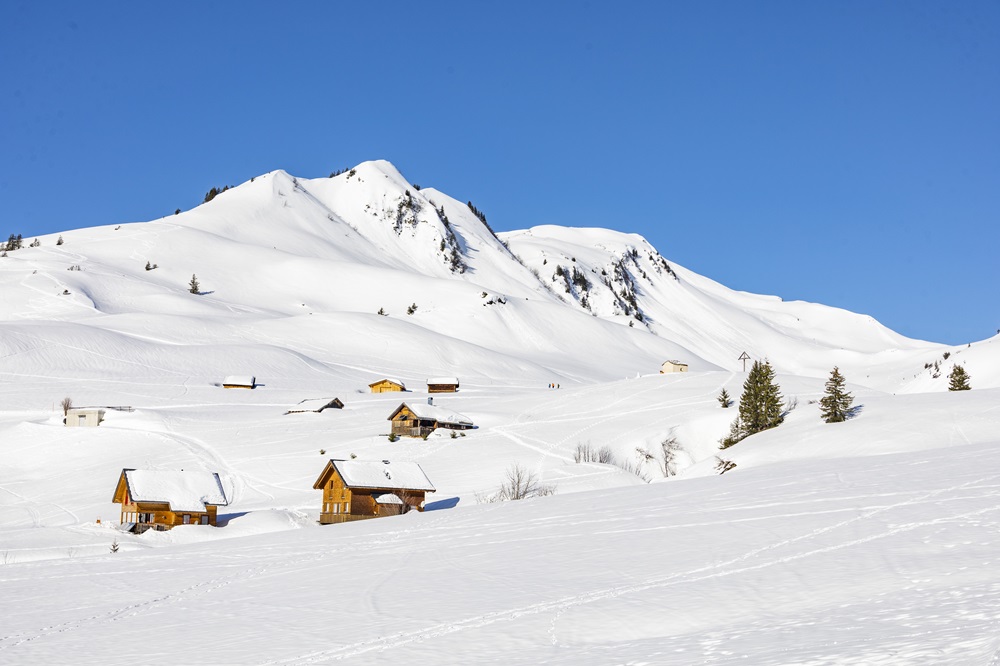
x=386, y=385
x=160, y=500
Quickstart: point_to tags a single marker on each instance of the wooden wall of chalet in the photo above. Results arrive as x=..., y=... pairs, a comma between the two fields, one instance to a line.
x=442, y=388
x=162, y=517
x=406, y=424
x=342, y=504
x=385, y=386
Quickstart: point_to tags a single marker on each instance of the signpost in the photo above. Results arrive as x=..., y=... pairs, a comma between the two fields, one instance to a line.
x=744, y=357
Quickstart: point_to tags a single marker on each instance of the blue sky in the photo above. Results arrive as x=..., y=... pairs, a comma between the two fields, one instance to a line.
x=846, y=153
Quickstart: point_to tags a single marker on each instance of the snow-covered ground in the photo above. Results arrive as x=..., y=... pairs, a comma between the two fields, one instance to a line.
x=867, y=542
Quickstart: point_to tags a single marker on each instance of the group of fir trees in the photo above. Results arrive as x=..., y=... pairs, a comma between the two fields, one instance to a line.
x=761, y=403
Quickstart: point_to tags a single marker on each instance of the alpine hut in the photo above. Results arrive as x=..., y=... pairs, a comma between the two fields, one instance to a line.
x=442, y=385
x=386, y=385
x=315, y=405
x=673, y=366
x=420, y=420
x=159, y=500
x=84, y=417
x=239, y=381
x=360, y=489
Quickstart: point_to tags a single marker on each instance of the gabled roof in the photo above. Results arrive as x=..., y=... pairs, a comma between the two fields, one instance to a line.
x=674, y=362
x=316, y=405
x=183, y=491
x=443, y=380
x=388, y=379
x=433, y=412
x=378, y=474
x=239, y=380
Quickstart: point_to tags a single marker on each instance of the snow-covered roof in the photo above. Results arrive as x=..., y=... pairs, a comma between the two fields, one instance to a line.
x=382, y=474
x=674, y=362
x=387, y=379
x=239, y=380
x=439, y=414
x=313, y=405
x=183, y=490
x=443, y=380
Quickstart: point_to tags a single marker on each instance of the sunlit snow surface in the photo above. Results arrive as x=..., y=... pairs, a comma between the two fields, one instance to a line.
x=873, y=541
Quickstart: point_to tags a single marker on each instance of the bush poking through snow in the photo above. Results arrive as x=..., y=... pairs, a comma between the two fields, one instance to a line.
x=411, y=309
x=722, y=465
x=60, y=241
x=66, y=404
x=114, y=546
x=518, y=484
x=193, y=285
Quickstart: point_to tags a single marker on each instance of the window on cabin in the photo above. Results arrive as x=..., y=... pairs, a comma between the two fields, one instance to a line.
x=187, y=518
x=204, y=520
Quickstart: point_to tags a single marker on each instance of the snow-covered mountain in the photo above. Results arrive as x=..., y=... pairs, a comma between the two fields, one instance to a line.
x=296, y=264
x=817, y=547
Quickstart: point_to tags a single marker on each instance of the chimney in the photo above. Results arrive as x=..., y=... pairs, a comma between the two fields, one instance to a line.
x=430, y=400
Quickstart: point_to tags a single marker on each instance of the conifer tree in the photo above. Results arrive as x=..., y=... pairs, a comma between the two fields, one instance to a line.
x=958, y=379
x=760, y=404
x=193, y=286
x=724, y=399
x=835, y=405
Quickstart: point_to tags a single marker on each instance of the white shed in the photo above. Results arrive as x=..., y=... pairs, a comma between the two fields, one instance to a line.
x=84, y=416
x=673, y=366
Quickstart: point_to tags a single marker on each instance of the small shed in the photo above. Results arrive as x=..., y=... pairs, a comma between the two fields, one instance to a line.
x=673, y=366
x=442, y=385
x=361, y=489
x=419, y=420
x=315, y=405
x=387, y=385
x=160, y=500
x=239, y=381
x=84, y=417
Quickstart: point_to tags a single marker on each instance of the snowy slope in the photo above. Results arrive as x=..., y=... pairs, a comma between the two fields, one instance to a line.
x=632, y=560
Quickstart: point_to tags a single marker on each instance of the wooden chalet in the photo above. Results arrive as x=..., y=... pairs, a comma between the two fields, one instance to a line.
x=419, y=420
x=160, y=500
x=239, y=381
x=316, y=405
x=442, y=385
x=386, y=385
x=84, y=417
x=673, y=366
x=362, y=489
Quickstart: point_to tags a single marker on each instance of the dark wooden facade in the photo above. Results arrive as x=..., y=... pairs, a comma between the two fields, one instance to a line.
x=141, y=515
x=406, y=422
x=345, y=503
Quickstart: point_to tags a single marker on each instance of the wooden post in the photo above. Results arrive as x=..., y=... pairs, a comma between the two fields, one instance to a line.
x=744, y=357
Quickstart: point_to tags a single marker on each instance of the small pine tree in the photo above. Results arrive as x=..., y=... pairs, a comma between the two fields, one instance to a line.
x=958, y=379
x=760, y=404
x=736, y=433
x=149, y=266
x=724, y=399
x=114, y=546
x=60, y=241
x=193, y=286
x=835, y=405
x=411, y=309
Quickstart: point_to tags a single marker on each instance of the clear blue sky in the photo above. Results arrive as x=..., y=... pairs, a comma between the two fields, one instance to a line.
x=840, y=152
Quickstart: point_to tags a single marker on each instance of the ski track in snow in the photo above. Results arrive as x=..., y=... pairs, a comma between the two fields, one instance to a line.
x=728, y=567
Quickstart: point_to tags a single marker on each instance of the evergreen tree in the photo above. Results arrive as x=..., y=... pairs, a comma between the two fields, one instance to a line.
x=760, y=404
x=958, y=379
x=736, y=433
x=835, y=405
x=724, y=399
x=193, y=286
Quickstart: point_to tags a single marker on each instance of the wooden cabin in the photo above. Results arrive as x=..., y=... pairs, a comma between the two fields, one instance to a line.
x=386, y=385
x=442, y=385
x=673, y=366
x=160, y=500
x=239, y=381
x=316, y=405
x=420, y=420
x=362, y=489
x=87, y=417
